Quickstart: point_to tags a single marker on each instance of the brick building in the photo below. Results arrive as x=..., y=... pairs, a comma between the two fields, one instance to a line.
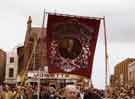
x=131, y=73
x=2, y=64
x=121, y=71
x=29, y=58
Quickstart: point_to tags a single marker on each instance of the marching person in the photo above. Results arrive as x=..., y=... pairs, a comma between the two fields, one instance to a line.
x=71, y=92
x=90, y=94
x=20, y=93
x=7, y=94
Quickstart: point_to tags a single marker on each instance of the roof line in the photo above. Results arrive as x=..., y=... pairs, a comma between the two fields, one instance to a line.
x=97, y=18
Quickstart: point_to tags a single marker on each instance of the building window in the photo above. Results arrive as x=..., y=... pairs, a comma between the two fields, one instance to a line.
x=130, y=74
x=11, y=59
x=133, y=75
x=11, y=72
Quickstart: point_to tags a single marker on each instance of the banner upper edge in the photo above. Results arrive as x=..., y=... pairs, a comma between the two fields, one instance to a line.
x=69, y=15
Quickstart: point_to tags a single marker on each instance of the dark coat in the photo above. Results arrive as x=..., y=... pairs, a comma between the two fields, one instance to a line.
x=91, y=96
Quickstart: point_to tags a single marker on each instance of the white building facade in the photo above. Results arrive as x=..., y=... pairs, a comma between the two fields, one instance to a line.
x=131, y=73
x=11, y=67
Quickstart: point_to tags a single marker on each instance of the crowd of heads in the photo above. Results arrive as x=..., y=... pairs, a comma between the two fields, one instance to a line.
x=121, y=92
x=69, y=91
x=35, y=91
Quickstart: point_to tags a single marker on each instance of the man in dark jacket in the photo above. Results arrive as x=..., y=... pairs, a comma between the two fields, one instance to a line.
x=91, y=96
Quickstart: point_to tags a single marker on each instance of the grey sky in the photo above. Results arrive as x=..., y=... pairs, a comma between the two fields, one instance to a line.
x=120, y=21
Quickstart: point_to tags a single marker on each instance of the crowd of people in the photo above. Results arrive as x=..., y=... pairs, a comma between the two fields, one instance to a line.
x=70, y=91
x=121, y=92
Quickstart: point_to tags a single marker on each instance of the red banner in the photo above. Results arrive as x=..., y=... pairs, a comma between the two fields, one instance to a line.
x=71, y=42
